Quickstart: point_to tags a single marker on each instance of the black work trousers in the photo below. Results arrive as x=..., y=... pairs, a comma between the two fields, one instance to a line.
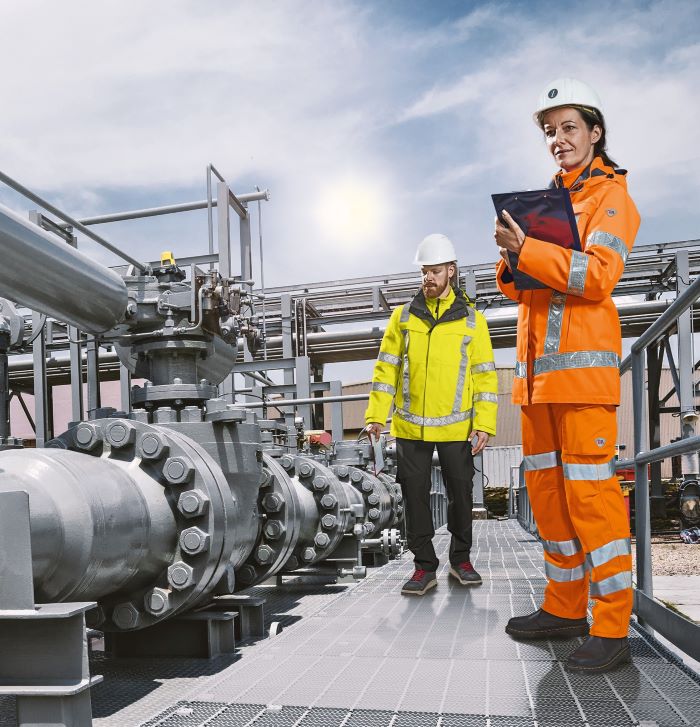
x=414, y=459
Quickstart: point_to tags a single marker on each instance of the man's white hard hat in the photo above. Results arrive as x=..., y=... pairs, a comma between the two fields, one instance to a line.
x=568, y=92
x=435, y=249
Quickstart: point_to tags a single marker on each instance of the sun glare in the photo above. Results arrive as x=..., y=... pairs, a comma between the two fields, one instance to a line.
x=350, y=212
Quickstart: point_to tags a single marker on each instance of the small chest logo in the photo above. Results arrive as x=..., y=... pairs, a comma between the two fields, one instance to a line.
x=553, y=93
x=600, y=441
x=611, y=212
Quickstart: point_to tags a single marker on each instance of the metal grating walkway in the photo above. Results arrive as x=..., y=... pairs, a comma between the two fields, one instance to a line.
x=365, y=656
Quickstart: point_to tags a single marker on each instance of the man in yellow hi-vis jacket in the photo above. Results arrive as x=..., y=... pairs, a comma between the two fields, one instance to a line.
x=436, y=363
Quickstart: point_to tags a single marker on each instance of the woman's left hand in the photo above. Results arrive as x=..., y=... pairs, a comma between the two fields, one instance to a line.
x=509, y=236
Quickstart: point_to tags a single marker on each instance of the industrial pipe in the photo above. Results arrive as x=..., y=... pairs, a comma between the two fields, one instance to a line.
x=42, y=273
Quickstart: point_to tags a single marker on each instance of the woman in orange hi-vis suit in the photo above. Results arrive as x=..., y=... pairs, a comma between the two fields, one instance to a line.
x=567, y=382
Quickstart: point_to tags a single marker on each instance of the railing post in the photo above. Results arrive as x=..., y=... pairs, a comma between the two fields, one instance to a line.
x=641, y=480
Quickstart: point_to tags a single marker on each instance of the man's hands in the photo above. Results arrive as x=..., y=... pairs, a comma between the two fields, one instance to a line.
x=479, y=441
x=508, y=236
x=374, y=428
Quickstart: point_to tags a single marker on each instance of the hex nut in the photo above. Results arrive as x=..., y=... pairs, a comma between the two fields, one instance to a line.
x=120, y=434
x=274, y=529
x=153, y=446
x=367, y=486
x=86, y=436
x=373, y=498
x=287, y=461
x=157, y=601
x=247, y=574
x=328, y=502
x=264, y=554
x=272, y=502
x=306, y=469
x=329, y=521
x=342, y=471
x=194, y=541
x=178, y=470
x=320, y=483
x=292, y=563
x=398, y=497
x=192, y=503
x=308, y=554
x=368, y=528
x=373, y=514
x=265, y=477
x=126, y=616
x=356, y=476
x=180, y=575
x=322, y=540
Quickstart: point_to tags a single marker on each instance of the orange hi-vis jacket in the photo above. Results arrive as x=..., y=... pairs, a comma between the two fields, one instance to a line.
x=569, y=339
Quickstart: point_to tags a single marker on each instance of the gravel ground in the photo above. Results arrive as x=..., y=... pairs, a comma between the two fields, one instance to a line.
x=674, y=559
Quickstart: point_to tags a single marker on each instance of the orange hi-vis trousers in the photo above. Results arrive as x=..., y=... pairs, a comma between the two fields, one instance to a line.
x=580, y=512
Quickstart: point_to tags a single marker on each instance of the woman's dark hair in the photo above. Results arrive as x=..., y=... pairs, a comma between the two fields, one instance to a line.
x=591, y=117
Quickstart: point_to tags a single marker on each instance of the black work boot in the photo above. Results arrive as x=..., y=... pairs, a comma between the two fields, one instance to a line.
x=420, y=582
x=543, y=625
x=465, y=574
x=598, y=654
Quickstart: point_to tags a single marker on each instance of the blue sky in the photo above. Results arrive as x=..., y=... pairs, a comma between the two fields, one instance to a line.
x=372, y=123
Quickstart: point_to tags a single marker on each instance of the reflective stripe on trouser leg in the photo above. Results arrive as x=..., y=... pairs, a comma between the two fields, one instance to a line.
x=597, y=510
x=566, y=593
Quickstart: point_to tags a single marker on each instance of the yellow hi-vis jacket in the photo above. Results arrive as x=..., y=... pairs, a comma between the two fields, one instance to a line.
x=436, y=361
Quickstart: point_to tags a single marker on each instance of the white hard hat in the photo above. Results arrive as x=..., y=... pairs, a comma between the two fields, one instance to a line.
x=568, y=92
x=435, y=249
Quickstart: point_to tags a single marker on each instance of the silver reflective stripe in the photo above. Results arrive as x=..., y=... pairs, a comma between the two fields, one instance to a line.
x=564, y=575
x=618, y=582
x=543, y=461
x=406, y=383
x=389, y=358
x=460, y=416
x=462, y=375
x=607, y=552
x=562, y=547
x=554, y=319
x=486, y=396
x=576, y=471
x=483, y=367
x=471, y=317
x=605, y=239
x=520, y=370
x=386, y=388
x=575, y=360
x=577, y=273
x=405, y=313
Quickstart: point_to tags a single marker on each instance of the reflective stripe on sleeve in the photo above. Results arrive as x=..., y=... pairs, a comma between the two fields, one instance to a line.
x=486, y=396
x=562, y=547
x=483, y=367
x=578, y=471
x=607, y=552
x=577, y=273
x=618, y=582
x=605, y=239
x=386, y=388
x=564, y=575
x=543, y=461
x=405, y=313
x=575, y=360
x=389, y=358
x=406, y=378
x=520, y=370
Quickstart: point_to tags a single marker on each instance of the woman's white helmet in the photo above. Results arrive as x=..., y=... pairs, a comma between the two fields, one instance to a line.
x=435, y=249
x=567, y=92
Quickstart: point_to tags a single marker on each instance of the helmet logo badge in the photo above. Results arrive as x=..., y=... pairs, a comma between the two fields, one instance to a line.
x=553, y=93
x=611, y=212
x=600, y=442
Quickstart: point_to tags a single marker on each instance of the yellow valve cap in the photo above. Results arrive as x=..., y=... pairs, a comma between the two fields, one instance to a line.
x=166, y=259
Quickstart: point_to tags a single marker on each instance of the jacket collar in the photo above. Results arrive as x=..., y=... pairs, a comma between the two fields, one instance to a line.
x=596, y=171
x=459, y=308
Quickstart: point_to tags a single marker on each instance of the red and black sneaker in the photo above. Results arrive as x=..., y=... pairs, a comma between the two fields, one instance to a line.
x=420, y=582
x=465, y=574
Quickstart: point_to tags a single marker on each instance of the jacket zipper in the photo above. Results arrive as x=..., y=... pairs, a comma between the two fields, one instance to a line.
x=427, y=358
